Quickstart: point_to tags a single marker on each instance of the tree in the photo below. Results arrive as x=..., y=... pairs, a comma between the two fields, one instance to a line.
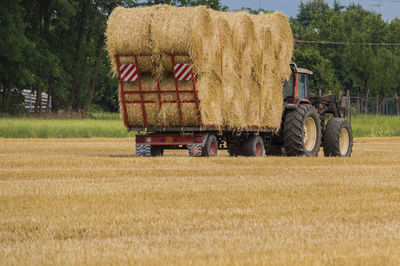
x=14, y=49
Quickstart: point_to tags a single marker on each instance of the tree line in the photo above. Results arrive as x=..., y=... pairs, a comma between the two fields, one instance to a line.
x=359, y=52
x=58, y=47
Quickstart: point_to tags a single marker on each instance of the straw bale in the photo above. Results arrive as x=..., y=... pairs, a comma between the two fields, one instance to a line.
x=275, y=45
x=272, y=103
x=134, y=110
x=128, y=32
x=242, y=60
x=169, y=112
x=209, y=93
x=183, y=30
x=283, y=39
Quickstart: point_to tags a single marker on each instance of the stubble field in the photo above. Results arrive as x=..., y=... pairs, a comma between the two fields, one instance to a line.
x=90, y=201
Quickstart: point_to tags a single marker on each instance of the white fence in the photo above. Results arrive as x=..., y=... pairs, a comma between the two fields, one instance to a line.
x=30, y=100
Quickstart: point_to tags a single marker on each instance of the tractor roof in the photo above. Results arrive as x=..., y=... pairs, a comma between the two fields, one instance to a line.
x=304, y=71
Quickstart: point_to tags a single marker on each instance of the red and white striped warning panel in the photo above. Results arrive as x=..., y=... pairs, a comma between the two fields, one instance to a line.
x=183, y=71
x=128, y=72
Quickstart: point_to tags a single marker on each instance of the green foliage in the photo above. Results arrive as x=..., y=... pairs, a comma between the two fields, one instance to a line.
x=61, y=128
x=255, y=11
x=375, y=126
x=363, y=69
x=323, y=77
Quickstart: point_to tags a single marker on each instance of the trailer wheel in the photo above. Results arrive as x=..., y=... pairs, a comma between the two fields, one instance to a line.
x=210, y=146
x=157, y=151
x=338, y=140
x=273, y=150
x=302, y=132
x=195, y=150
x=254, y=146
x=143, y=150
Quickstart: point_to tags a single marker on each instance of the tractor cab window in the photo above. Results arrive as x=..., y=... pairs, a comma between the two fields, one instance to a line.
x=303, y=80
x=288, y=87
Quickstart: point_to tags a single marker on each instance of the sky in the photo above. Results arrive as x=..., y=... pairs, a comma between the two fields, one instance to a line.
x=388, y=8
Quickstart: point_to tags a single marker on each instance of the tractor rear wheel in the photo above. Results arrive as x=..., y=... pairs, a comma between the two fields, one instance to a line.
x=338, y=140
x=254, y=146
x=210, y=145
x=302, y=131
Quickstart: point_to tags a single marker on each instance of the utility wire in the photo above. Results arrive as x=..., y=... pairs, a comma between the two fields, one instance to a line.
x=348, y=43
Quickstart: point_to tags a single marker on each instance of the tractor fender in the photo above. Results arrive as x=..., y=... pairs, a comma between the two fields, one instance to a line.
x=292, y=106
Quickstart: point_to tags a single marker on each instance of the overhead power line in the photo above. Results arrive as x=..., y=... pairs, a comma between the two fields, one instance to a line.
x=349, y=43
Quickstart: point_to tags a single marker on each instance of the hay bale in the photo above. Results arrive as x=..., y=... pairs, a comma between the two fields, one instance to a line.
x=128, y=32
x=272, y=64
x=241, y=91
x=209, y=93
x=238, y=44
x=283, y=40
x=169, y=112
x=184, y=30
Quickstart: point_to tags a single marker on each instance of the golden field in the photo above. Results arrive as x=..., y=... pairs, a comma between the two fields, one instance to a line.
x=91, y=201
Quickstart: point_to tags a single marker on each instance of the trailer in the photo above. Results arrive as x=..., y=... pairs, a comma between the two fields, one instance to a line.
x=305, y=121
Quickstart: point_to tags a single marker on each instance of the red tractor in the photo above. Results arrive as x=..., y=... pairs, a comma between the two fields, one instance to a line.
x=304, y=128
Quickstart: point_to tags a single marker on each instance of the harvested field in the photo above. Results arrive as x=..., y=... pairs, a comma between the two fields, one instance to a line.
x=90, y=201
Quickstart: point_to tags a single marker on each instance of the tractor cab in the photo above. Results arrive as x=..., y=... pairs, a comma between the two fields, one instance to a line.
x=295, y=89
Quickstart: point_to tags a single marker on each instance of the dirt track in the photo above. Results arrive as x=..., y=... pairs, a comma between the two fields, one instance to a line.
x=91, y=201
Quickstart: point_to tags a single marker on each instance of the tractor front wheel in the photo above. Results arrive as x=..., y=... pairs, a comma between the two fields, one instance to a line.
x=338, y=140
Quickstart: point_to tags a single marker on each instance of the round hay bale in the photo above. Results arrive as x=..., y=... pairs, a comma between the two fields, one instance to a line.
x=169, y=112
x=128, y=32
x=283, y=44
x=183, y=30
x=209, y=91
x=134, y=110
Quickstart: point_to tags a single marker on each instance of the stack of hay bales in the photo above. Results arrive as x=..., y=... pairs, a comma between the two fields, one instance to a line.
x=240, y=61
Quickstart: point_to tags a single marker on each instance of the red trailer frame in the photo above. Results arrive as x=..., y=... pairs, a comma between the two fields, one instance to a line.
x=159, y=91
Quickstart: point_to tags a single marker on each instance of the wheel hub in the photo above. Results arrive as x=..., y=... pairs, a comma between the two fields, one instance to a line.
x=344, y=141
x=213, y=148
x=258, y=149
x=309, y=134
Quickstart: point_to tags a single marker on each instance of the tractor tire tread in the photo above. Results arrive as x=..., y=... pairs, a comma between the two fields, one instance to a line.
x=292, y=131
x=195, y=150
x=332, y=137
